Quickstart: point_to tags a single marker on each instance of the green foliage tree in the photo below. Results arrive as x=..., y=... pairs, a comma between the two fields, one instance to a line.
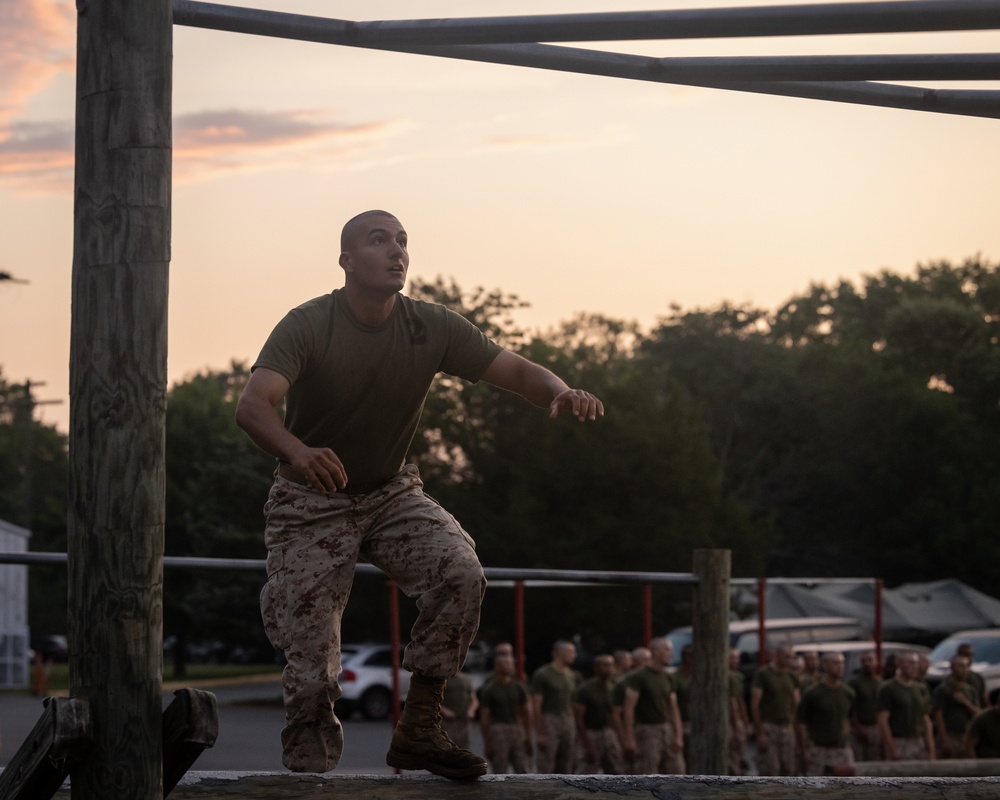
x=217, y=483
x=29, y=445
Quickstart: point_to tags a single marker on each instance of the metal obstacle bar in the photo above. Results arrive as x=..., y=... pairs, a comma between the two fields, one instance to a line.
x=833, y=78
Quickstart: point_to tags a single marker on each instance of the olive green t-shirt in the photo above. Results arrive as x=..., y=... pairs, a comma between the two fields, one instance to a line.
x=654, y=686
x=956, y=716
x=866, y=697
x=905, y=705
x=360, y=389
x=985, y=729
x=555, y=687
x=826, y=711
x=777, y=703
x=503, y=699
x=596, y=699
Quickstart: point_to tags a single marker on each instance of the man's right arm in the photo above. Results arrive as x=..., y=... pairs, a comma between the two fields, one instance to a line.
x=257, y=414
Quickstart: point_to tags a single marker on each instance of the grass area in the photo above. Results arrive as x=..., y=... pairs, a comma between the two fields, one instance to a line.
x=58, y=679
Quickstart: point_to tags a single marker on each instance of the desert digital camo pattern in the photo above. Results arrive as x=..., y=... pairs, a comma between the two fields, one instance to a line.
x=314, y=540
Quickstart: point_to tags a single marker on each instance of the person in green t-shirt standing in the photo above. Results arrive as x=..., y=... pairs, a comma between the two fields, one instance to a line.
x=774, y=694
x=505, y=717
x=903, y=722
x=653, y=731
x=823, y=719
x=552, y=688
x=354, y=368
x=593, y=702
x=955, y=703
x=865, y=739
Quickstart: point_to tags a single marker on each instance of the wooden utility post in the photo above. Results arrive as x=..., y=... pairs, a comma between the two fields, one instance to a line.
x=710, y=689
x=118, y=359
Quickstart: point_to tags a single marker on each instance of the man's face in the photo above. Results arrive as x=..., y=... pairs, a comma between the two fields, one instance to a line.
x=811, y=660
x=833, y=666
x=504, y=664
x=782, y=658
x=907, y=665
x=960, y=668
x=662, y=651
x=604, y=666
x=868, y=663
x=377, y=258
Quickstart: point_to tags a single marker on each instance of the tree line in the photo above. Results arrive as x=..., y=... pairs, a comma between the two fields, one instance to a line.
x=850, y=432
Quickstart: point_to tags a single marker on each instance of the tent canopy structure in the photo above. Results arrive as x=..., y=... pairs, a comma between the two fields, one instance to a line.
x=917, y=612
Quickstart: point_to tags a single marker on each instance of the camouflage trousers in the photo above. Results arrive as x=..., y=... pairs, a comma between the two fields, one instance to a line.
x=507, y=739
x=867, y=747
x=607, y=753
x=314, y=540
x=654, y=750
x=779, y=757
x=738, y=760
x=955, y=741
x=822, y=760
x=559, y=755
x=910, y=748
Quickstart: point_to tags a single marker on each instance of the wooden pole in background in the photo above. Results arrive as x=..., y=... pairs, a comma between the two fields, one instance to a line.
x=118, y=360
x=710, y=687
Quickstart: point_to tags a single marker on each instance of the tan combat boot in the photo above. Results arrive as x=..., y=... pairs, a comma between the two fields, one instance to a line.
x=418, y=741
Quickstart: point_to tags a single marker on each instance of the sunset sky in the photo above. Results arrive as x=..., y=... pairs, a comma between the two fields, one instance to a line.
x=577, y=193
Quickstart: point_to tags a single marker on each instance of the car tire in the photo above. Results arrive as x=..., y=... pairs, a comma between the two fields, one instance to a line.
x=376, y=703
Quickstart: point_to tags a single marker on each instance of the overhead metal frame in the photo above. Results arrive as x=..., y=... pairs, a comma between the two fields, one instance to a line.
x=516, y=41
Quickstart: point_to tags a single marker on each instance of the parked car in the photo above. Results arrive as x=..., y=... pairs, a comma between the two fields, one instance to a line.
x=853, y=650
x=985, y=652
x=366, y=680
x=791, y=631
x=52, y=648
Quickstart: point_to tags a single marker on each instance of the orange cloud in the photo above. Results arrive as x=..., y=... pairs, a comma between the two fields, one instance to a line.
x=37, y=42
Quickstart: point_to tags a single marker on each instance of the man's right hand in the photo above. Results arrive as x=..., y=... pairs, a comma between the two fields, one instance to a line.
x=321, y=467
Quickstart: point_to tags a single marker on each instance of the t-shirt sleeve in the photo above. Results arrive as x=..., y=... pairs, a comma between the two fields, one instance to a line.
x=287, y=349
x=470, y=351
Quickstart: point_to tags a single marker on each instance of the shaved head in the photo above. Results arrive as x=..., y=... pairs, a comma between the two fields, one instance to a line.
x=354, y=225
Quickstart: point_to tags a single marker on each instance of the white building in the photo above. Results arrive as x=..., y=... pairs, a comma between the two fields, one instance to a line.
x=14, y=634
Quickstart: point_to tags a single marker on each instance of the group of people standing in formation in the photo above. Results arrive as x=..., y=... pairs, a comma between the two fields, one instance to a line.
x=632, y=716
x=809, y=719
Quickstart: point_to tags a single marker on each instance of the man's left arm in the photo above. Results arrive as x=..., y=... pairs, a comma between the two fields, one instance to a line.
x=541, y=386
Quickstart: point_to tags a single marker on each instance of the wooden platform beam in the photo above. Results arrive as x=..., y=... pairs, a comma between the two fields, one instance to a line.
x=41, y=764
x=190, y=724
x=227, y=786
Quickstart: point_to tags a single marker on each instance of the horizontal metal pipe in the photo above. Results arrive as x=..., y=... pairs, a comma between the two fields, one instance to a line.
x=492, y=573
x=981, y=103
x=794, y=20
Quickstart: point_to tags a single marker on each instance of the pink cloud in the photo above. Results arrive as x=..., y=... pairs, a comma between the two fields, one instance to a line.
x=37, y=43
x=38, y=157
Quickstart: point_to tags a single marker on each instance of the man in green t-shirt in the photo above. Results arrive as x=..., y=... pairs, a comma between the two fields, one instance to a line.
x=903, y=722
x=353, y=368
x=955, y=703
x=823, y=719
x=505, y=718
x=595, y=724
x=552, y=688
x=865, y=739
x=653, y=731
x=774, y=694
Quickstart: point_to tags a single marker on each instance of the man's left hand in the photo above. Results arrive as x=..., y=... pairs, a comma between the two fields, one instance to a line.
x=582, y=405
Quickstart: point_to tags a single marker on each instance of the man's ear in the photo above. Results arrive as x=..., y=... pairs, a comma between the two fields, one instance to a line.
x=345, y=261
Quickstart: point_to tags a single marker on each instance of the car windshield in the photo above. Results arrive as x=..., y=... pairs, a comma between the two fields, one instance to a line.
x=984, y=648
